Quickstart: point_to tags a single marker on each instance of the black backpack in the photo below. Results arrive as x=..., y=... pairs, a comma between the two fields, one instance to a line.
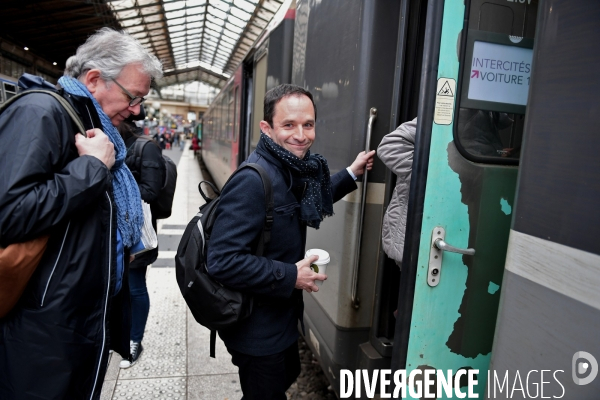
x=161, y=207
x=213, y=305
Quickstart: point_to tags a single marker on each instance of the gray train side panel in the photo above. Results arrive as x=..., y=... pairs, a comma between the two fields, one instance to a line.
x=550, y=304
x=279, y=68
x=345, y=55
x=562, y=126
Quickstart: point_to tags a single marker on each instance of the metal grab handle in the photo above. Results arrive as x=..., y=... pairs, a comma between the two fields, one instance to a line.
x=355, y=299
x=440, y=244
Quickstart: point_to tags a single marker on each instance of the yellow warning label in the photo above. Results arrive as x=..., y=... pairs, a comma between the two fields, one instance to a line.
x=444, y=101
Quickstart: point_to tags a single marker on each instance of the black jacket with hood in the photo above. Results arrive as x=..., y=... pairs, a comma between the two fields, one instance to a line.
x=54, y=344
x=148, y=170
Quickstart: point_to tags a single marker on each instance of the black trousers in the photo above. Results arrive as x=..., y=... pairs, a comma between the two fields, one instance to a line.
x=267, y=377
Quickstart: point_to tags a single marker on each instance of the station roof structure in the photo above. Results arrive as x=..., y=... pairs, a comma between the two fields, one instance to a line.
x=201, y=40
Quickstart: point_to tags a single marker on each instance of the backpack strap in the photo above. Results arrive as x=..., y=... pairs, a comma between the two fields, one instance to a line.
x=268, y=187
x=63, y=102
x=266, y=233
x=213, y=342
x=138, y=149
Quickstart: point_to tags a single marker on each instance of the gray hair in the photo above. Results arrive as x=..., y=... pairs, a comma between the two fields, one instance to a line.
x=110, y=51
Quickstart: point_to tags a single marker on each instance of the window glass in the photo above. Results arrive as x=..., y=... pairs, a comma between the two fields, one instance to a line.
x=230, y=115
x=495, y=79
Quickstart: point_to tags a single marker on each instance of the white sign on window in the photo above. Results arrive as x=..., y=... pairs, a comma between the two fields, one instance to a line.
x=500, y=73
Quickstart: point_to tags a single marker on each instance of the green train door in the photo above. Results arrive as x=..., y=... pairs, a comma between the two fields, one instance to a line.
x=474, y=89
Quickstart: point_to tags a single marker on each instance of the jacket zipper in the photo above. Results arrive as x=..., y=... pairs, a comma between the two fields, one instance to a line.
x=110, y=233
x=55, y=264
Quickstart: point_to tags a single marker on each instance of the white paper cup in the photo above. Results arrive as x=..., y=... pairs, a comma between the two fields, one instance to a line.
x=319, y=266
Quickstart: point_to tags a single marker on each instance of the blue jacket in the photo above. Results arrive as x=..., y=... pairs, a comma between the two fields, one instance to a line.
x=240, y=217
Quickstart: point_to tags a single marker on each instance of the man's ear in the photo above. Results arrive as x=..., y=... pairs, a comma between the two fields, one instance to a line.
x=265, y=127
x=92, y=79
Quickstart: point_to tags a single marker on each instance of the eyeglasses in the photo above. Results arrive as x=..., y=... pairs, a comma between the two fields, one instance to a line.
x=135, y=100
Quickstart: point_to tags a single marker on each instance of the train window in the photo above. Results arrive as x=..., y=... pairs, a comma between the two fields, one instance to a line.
x=230, y=115
x=236, y=107
x=10, y=90
x=224, y=117
x=496, y=66
x=219, y=119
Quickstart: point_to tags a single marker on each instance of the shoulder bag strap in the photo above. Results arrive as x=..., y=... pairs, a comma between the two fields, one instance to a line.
x=64, y=103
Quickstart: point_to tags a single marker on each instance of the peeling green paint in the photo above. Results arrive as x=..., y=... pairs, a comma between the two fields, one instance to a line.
x=505, y=207
x=453, y=323
x=493, y=288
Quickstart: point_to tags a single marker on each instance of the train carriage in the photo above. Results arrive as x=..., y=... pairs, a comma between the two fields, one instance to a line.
x=500, y=262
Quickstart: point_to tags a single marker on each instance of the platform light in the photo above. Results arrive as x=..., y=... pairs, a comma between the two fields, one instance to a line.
x=53, y=63
x=26, y=48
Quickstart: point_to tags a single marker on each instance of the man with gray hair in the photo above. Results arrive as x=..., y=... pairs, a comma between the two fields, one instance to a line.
x=74, y=187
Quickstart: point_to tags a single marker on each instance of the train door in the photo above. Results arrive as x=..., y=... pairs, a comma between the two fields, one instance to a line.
x=272, y=66
x=475, y=75
x=259, y=89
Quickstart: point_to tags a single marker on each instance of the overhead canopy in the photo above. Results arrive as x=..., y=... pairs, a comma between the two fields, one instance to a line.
x=52, y=29
x=195, y=39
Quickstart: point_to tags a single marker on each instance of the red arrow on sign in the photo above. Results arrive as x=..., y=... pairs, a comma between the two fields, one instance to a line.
x=475, y=74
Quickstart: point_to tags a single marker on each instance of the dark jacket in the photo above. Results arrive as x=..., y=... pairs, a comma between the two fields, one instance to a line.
x=54, y=344
x=149, y=172
x=272, y=326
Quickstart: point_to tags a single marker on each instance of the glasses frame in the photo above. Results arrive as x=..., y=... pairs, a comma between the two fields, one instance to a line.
x=133, y=102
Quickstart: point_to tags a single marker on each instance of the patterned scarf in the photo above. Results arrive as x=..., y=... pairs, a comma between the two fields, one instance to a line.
x=317, y=201
x=130, y=215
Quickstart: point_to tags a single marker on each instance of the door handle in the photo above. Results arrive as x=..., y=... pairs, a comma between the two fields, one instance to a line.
x=440, y=244
x=354, y=297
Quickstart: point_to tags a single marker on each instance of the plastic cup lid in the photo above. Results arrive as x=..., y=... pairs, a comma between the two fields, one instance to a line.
x=323, y=256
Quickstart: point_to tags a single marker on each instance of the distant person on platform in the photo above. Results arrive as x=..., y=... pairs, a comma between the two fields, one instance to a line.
x=181, y=141
x=265, y=345
x=195, y=145
x=148, y=169
x=54, y=343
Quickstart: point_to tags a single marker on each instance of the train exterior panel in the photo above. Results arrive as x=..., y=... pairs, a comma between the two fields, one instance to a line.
x=334, y=58
x=496, y=164
x=549, y=311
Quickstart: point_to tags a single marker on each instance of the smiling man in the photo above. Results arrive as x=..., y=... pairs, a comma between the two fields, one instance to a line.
x=75, y=188
x=264, y=346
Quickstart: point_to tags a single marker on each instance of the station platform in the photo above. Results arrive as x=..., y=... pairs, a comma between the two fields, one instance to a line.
x=175, y=363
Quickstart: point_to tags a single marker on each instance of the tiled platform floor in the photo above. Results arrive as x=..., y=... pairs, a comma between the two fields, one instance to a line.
x=175, y=363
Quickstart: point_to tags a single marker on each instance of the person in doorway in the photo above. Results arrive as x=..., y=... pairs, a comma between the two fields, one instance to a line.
x=54, y=344
x=148, y=169
x=264, y=346
x=396, y=151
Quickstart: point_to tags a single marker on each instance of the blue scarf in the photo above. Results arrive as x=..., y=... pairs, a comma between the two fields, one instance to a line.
x=130, y=215
x=317, y=201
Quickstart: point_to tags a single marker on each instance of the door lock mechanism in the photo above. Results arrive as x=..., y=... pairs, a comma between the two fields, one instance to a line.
x=438, y=246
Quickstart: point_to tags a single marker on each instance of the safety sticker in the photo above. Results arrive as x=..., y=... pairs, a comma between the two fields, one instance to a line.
x=444, y=101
